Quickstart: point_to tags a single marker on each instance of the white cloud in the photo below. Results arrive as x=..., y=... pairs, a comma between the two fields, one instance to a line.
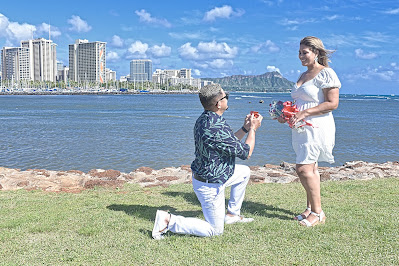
x=271, y=3
x=390, y=73
x=188, y=52
x=362, y=55
x=160, y=51
x=272, y=69
x=334, y=17
x=293, y=24
x=376, y=37
x=44, y=28
x=20, y=31
x=112, y=56
x=78, y=24
x=15, y=32
x=138, y=48
x=209, y=55
x=4, y=22
x=367, y=39
x=217, y=50
x=221, y=63
x=222, y=12
x=116, y=41
x=392, y=11
x=208, y=50
x=287, y=22
x=196, y=72
x=268, y=46
x=202, y=65
x=146, y=17
x=387, y=75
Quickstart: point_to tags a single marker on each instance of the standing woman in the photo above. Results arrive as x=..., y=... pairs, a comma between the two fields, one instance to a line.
x=316, y=94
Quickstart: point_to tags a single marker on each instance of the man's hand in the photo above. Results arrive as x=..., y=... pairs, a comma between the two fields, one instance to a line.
x=255, y=122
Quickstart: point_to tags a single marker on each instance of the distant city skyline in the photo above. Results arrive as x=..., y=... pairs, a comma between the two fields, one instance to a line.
x=216, y=39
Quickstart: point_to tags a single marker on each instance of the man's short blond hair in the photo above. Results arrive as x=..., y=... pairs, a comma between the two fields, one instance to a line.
x=208, y=94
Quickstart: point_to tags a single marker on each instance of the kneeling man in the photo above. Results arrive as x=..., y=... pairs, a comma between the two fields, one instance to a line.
x=214, y=169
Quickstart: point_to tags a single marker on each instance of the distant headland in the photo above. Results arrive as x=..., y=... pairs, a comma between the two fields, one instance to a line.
x=267, y=82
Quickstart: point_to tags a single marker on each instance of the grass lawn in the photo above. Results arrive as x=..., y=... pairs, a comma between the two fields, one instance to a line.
x=104, y=226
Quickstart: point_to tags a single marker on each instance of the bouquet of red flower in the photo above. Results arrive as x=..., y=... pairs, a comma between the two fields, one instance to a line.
x=286, y=110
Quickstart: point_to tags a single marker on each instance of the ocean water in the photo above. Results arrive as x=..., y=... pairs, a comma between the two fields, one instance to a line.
x=125, y=132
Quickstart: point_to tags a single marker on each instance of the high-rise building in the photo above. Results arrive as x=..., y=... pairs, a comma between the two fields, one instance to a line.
x=42, y=59
x=141, y=70
x=15, y=63
x=87, y=61
x=185, y=73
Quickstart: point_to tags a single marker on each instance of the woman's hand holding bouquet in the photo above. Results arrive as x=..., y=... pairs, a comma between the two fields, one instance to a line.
x=285, y=112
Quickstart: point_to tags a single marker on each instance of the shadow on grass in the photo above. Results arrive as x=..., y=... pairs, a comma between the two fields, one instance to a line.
x=257, y=208
x=148, y=212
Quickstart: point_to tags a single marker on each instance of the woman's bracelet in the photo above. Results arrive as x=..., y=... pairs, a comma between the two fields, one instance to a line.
x=244, y=129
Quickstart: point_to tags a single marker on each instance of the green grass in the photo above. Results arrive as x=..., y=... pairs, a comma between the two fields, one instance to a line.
x=114, y=227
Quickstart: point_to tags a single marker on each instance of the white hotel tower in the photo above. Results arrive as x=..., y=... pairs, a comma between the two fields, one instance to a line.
x=42, y=59
x=15, y=63
x=87, y=61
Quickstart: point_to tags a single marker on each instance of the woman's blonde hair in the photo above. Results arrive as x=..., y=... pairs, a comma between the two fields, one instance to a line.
x=317, y=47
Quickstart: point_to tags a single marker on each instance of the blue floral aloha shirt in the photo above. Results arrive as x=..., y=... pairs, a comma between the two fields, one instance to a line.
x=216, y=148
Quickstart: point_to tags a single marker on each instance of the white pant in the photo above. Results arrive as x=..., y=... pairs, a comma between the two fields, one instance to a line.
x=212, y=200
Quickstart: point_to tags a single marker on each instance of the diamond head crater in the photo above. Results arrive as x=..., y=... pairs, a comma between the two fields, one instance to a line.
x=267, y=82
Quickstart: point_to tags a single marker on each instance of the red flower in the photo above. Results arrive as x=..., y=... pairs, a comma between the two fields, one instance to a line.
x=286, y=110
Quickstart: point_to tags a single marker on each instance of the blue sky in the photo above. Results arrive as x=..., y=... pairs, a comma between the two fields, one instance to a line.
x=222, y=38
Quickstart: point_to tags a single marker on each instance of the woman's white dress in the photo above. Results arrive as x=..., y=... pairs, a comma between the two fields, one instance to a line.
x=315, y=143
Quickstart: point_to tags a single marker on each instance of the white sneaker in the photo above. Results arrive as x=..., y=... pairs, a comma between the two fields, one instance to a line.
x=236, y=219
x=160, y=225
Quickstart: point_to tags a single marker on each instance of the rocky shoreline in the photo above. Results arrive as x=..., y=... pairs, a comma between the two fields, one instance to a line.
x=76, y=181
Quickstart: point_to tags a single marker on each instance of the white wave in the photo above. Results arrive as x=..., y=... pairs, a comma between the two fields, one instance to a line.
x=249, y=96
x=176, y=116
x=376, y=96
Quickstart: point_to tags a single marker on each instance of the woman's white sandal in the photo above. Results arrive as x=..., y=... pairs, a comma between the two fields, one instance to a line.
x=301, y=216
x=321, y=220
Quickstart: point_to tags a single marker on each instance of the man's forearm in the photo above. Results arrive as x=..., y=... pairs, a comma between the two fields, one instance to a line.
x=251, y=141
x=240, y=133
